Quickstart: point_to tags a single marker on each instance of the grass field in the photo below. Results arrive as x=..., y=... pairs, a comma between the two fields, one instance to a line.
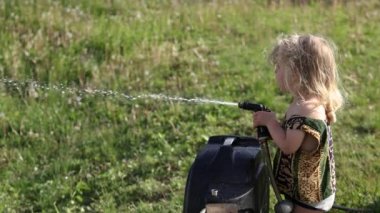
x=64, y=151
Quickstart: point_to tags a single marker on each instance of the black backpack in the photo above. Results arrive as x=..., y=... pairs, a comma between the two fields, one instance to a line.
x=229, y=170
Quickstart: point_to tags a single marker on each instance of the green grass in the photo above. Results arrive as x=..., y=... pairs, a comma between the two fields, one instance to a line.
x=68, y=153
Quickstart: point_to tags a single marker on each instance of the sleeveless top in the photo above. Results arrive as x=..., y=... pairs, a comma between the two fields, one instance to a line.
x=307, y=177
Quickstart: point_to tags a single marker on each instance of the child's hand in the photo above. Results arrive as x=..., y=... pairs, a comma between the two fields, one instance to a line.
x=263, y=118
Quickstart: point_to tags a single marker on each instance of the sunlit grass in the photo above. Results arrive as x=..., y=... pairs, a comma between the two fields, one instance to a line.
x=68, y=152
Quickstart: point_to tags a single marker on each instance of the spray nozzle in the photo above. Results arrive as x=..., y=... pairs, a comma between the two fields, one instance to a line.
x=252, y=106
x=262, y=131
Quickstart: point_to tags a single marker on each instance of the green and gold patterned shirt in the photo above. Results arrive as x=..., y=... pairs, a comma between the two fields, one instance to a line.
x=307, y=177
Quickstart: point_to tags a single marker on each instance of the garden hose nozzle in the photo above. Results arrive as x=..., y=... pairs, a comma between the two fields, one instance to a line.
x=262, y=131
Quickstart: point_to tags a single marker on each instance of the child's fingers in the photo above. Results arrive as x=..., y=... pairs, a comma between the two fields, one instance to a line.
x=255, y=119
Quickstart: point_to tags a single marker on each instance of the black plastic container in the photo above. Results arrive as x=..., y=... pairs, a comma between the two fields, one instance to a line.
x=228, y=170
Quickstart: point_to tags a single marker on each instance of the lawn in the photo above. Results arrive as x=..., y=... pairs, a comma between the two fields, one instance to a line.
x=73, y=138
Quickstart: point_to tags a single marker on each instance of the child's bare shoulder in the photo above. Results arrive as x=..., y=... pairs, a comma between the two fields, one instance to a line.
x=312, y=110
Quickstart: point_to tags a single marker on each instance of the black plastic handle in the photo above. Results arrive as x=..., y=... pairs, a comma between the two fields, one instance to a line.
x=262, y=131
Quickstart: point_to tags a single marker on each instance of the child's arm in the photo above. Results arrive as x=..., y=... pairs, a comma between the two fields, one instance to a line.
x=288, y=141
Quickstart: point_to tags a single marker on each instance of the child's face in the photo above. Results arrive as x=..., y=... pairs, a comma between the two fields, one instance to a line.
x=280, y=76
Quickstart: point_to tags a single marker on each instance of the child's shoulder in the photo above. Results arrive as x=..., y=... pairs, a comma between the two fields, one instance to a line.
x=312, y=111
x=308, y=109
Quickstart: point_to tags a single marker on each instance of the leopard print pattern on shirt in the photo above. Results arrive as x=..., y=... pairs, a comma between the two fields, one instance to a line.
x=294, y=123
x=308, y=179
x=309, y=182
x=332, y=160
x=284, y=176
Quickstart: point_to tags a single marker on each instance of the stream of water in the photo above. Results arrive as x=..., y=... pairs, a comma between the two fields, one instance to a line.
x=32, y=87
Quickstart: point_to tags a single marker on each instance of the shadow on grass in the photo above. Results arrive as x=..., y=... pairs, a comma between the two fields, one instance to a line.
x=373, y=207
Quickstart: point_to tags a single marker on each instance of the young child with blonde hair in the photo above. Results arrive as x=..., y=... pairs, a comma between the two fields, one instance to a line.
x=304, y=167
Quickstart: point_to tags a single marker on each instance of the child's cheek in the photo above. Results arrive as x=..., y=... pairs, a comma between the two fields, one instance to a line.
x=280, y=81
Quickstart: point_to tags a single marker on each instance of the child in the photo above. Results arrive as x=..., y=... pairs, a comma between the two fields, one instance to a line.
x=304, y=166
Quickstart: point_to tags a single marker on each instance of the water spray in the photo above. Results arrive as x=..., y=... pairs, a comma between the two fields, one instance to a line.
x=31, y=86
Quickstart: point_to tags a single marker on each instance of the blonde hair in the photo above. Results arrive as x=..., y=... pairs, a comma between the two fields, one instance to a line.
x=310, y=69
